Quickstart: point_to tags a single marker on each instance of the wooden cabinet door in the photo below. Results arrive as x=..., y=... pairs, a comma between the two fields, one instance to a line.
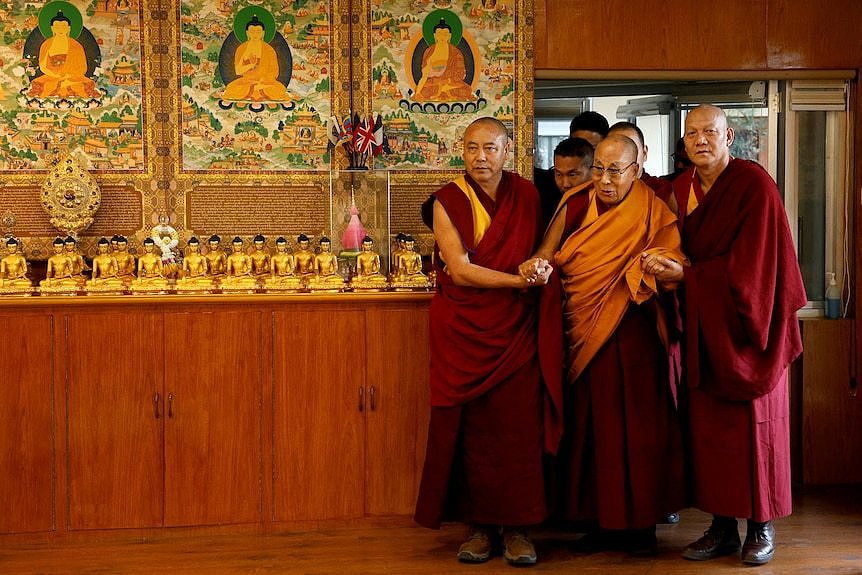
x=114, y=459
x=214, y=376
x=397, y=418
x=26, y=426
x=318, y=389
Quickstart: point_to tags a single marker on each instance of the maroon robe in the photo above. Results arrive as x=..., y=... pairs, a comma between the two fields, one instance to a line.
x=484, y=457
x=621, y=460
x=741, y=294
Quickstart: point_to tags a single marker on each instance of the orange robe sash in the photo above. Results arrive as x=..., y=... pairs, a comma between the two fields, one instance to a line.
x=601, y=268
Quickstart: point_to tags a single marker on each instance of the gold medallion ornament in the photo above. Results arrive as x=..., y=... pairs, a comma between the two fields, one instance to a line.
x=70, y=196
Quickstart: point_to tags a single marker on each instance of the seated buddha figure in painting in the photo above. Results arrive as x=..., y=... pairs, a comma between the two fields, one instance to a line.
x=368, y=276
x=62, y=63
x=282, y=269
x=195, y=272
x=150, y=271
x=325, y=276
x=443, y=69
x=238, y=275
x=257, y=68
x=104, y=277
x=13, y=270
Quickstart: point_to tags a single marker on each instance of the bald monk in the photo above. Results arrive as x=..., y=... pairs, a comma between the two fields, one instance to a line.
x=485, y=440
x=621, y=459
x=740, y=297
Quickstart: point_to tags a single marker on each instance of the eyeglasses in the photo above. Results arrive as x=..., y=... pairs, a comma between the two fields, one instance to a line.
x=613, y=173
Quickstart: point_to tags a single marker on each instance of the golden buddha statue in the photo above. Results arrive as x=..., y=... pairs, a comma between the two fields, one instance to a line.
x=282, y=270
x=395, y=255
x=195, y=272
x=58, y=275
x=260, y=259
x=125, y=261
x=70, y=245
x=151, y=277
x=13, y=271
x=409, y=264
x=368, y=276
x=239, y=276
x=104, y=279
x=325, y=276
x=216, y=258
x=303, y=256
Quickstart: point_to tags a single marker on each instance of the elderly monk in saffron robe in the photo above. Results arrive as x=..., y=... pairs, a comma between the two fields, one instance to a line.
x=621, y=464
x=63, y=63
x=740, y=297
x=485, y=444
x=256, y=64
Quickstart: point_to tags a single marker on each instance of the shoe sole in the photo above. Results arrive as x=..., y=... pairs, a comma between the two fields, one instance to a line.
x=520, y=560
x=694, y=556
x=758, y=561
x=473, y=558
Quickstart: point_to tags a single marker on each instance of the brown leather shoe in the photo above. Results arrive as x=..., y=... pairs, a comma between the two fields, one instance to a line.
x=477, y=547
x=759, y=544
x=517, y=548
x=721, y=538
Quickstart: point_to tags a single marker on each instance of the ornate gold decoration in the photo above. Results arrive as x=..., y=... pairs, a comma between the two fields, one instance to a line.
x=70, y=196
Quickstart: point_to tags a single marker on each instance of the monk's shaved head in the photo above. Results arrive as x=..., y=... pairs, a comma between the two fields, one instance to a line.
x=627, y=145
x=709, y=111
x=492, y=123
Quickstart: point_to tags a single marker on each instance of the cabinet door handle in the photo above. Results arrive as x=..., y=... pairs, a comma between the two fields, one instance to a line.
x=156, y=400
x=361, y=398
x=373, y=398
x=170, y=405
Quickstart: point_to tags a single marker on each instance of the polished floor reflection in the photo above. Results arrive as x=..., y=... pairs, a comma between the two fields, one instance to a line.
x=824, y=535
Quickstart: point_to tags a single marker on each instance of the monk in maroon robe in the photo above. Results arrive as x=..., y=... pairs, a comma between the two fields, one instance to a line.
x=486, y=436
x=621, y=458
x=741, y=294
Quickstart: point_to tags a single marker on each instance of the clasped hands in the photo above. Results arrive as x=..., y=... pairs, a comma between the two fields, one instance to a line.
x=663, y=268
x=536, y=271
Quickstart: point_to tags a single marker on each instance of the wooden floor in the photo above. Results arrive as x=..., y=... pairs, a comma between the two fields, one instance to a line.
x=824, y=535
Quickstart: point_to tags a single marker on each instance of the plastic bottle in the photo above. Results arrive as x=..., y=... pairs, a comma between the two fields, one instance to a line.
x=833, y=298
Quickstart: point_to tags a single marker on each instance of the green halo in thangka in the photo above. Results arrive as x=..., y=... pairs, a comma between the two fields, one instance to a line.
x=49, y=10
x=434, y=18
x=244, y=16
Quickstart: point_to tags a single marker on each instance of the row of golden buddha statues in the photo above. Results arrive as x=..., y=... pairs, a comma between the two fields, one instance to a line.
x=114, y=270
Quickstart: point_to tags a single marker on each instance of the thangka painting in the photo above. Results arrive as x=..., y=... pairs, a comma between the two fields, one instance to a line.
x=255, y=85
x=437, y=65
x=70, y=80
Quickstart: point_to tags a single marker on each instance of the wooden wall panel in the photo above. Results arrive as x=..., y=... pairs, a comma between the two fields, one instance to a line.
x=805, y=35
x=831, y=406
x=653, y=35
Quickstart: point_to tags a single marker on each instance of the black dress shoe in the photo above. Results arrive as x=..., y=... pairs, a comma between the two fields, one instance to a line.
x=721, y=538
x=671, y=519
x=759, y=544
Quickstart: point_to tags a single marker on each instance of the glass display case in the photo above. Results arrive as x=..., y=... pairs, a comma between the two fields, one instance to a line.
x=359, y=207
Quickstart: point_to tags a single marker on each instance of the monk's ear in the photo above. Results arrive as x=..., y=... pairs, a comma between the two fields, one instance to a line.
x=729, y=136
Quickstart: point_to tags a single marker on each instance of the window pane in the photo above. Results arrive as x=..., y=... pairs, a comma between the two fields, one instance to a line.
x=811, y=184
x=750, y=134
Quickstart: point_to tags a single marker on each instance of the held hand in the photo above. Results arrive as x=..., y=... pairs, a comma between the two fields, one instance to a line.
x=663, y=268
x=535, y=271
